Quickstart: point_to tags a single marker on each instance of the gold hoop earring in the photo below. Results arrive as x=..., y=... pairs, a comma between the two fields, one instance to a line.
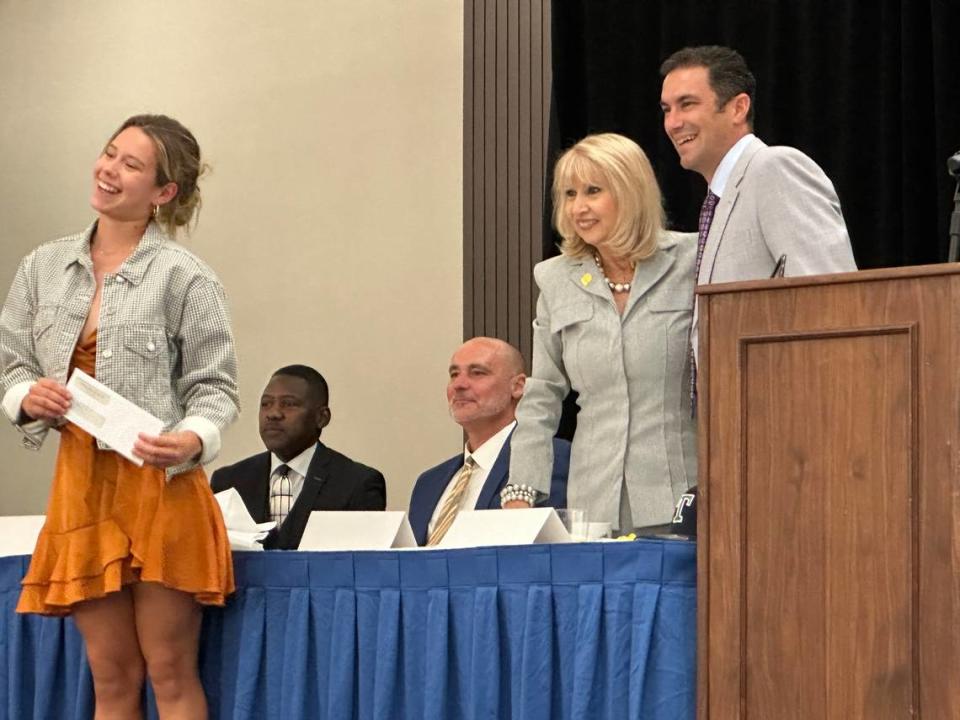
x=156, y=209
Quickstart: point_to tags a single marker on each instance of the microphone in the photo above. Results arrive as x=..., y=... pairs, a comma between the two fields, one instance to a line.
x=780, y=267
x=953, y=164
x=953, y=167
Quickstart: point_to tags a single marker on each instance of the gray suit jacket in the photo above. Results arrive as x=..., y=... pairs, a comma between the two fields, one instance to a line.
x=632, y=373
x=777, y=201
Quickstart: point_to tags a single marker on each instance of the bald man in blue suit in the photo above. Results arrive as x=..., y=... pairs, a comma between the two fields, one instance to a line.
x=485, y=385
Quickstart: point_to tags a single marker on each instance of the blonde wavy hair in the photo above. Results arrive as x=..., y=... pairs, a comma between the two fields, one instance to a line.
x=178, y=161
x=617, y=164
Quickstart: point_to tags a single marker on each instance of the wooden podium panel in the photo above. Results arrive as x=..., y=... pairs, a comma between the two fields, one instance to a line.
x=829, y=538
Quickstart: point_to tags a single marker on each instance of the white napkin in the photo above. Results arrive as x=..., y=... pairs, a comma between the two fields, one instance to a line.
x=242, y=531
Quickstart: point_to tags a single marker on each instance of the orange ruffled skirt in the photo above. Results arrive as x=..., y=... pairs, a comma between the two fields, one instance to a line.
x=111, y=523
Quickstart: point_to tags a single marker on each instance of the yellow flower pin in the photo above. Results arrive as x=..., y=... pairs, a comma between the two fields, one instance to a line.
x=585, y=280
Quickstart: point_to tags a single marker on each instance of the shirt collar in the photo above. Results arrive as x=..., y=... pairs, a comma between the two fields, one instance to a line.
x=300, y=464
x=134, y=266
x=720, y=177
x=486, y=455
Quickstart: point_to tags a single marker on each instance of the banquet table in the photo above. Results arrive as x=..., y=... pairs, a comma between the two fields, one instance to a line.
x=579, y=631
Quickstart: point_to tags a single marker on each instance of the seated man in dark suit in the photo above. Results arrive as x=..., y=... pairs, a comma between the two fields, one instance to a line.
x=486, y=383
x=298, y=474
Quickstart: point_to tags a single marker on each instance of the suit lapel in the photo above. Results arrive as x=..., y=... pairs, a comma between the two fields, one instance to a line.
x=489, y=498
x=291, y=531
x=432, y=498
x=427, y=495
x=724, y=208
x=318, y=465
x=585, y=274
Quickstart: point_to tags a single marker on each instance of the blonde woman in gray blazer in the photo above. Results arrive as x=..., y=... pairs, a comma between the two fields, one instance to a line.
x=613, y=323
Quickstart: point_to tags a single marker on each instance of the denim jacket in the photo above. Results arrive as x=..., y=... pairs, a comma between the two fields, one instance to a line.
x=163, y=339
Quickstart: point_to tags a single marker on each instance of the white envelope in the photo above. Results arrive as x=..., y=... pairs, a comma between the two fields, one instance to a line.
x=108, y=416
x=357, y=530
x=477, y=528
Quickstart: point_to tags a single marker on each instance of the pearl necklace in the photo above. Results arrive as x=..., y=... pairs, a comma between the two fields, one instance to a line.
x=616, y=287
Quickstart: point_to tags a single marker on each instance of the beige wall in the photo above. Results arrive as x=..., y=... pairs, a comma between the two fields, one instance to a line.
x=333, y=214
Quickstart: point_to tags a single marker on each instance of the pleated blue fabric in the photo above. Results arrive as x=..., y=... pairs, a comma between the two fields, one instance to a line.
x=551, y=632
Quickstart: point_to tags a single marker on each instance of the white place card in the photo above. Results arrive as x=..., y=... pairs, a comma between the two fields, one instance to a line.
x=18, y=534
x=476, y=528
x=108, y=416
x=357, y=530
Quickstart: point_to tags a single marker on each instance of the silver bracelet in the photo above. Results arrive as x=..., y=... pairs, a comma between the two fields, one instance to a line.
x=522, y=492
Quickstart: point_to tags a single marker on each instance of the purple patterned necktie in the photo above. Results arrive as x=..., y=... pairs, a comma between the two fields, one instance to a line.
x=706, y=219
x=703, y=230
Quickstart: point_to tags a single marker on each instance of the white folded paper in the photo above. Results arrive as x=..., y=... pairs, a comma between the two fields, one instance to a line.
x=108, y=416
x=477, y=528
x=357, y=530
x=18, y=534
x=242, y=531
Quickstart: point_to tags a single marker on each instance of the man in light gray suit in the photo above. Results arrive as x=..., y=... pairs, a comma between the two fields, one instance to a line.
x=764, y=202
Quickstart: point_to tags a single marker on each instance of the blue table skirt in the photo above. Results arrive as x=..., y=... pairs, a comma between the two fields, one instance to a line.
x=580, y=631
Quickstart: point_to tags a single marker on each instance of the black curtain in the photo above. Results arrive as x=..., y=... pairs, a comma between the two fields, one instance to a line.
x=869, y=89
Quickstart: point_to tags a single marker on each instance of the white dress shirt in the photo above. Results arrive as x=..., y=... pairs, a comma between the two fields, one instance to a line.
x=299, y=466
x=484, y=456
x=720, y=177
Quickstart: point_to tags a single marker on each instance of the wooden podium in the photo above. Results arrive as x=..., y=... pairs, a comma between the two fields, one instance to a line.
x=829, y=516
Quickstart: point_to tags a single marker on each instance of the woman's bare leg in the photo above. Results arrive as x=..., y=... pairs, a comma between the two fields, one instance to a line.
x=168, y=626
x=108, y=627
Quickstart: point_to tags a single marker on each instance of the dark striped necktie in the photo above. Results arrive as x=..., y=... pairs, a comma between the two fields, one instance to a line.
x=281, y=494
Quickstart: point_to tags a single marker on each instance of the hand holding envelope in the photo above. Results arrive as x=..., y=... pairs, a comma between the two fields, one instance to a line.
x=169, y=448
x=109, y=416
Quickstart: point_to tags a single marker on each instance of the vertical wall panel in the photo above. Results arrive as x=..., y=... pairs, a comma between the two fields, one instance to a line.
x=524, y=180
x=500, y=243
x=511, y=298
x=487, y=281
x=506, y=110
x=469, y=164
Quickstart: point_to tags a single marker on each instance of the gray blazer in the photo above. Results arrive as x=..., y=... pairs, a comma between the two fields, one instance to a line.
x=633, y=376
x=777, y=201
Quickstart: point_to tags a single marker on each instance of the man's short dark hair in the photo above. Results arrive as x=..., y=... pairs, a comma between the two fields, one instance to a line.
x=727, y=72
x=316, y=383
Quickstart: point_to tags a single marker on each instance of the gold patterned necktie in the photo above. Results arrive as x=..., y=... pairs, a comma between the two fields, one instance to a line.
x=451, y=505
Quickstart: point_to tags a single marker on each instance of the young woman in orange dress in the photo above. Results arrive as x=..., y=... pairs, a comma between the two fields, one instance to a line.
x=131, y=552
